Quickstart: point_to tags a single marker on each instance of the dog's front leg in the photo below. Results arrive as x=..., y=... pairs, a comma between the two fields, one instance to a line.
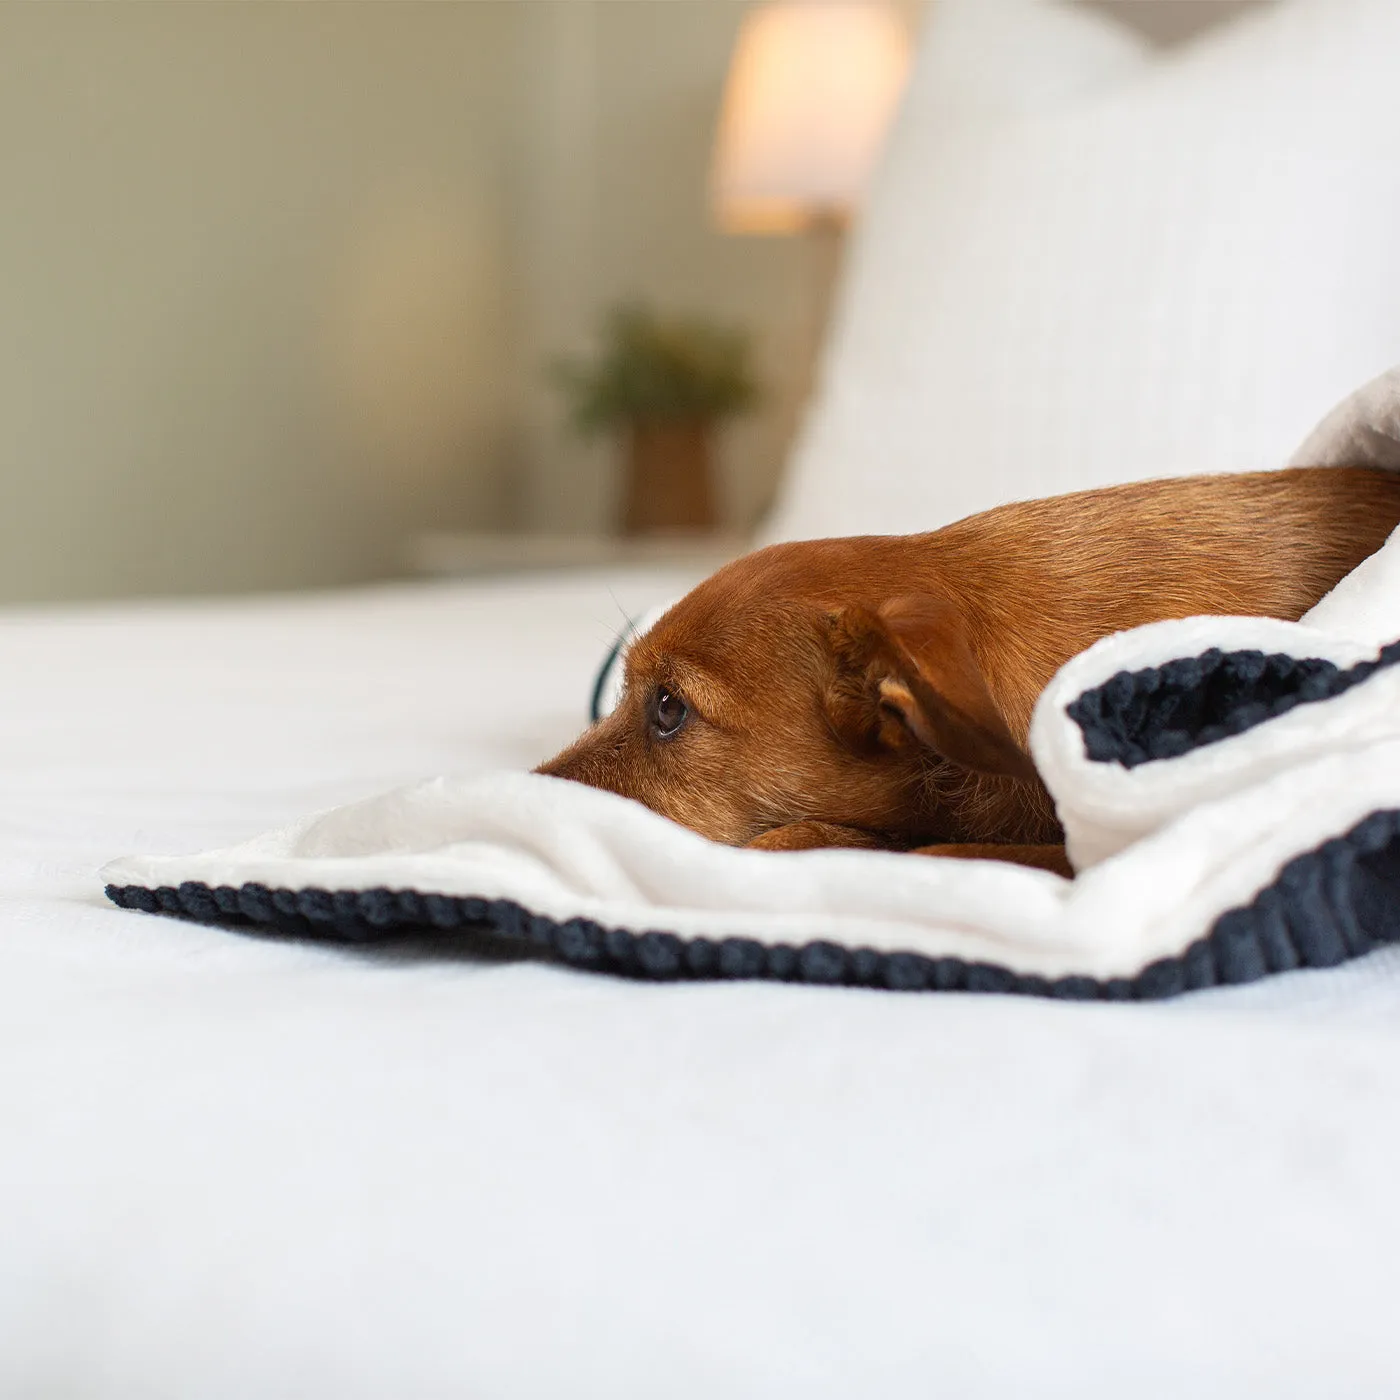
x=812, y=836
x=1041, y=857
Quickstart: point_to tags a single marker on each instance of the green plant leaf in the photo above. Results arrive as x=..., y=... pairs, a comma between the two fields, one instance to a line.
x=651, y=366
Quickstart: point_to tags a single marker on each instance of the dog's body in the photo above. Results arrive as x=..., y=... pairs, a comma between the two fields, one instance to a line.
x=877, y=691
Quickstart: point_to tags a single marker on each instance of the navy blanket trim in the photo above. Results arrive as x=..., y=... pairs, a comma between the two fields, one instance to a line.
x=1331, y=904
x=595, y=701
x=1168, y=710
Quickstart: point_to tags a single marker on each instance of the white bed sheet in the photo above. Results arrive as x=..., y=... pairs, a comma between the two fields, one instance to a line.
x=235, y=1166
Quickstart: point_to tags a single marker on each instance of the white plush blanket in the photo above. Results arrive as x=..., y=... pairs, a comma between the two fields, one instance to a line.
x=1230, y=790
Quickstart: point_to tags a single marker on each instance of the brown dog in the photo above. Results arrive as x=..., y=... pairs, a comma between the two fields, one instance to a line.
x=877, y=691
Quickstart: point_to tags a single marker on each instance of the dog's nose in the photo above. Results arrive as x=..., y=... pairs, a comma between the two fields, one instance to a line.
x=581, y=763
x=560, y=766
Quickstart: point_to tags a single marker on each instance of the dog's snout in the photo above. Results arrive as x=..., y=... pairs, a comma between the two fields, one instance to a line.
x=586, y=761
x=568, y=764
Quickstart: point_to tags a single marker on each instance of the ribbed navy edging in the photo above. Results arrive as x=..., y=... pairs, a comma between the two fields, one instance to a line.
x=1328, y=905
x=1168, y=710
x=600, y=681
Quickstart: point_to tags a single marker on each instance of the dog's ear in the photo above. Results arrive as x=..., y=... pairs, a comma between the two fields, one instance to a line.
x=906, y=674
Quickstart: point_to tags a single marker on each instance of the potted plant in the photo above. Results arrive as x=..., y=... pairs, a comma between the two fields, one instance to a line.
x=665, y=383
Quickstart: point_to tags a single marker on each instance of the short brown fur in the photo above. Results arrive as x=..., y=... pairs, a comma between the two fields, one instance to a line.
x=877, y=691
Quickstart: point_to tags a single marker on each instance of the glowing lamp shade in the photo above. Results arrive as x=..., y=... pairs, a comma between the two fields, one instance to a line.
x=812, y=86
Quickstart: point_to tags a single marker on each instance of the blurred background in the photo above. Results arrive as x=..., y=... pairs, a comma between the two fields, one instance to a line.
x=302, y=295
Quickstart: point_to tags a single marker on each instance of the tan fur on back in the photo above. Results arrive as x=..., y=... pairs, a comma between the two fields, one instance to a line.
x=1260, y=544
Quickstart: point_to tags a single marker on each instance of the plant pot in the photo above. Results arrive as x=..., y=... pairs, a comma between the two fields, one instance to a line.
x=669, y=476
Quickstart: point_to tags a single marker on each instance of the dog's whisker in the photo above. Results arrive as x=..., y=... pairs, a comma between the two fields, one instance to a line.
x=629, y=625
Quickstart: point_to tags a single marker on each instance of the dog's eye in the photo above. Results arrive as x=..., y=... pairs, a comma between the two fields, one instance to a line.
x=668, y=713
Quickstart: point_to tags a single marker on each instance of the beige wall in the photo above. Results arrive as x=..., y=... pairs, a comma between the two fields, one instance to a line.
x=277, y=282
x=250, y=289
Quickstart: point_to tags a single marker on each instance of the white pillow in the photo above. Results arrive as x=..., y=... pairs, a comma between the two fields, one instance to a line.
x=1179, y=272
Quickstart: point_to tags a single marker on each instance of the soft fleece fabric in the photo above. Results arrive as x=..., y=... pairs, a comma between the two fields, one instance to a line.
x=1304, y=752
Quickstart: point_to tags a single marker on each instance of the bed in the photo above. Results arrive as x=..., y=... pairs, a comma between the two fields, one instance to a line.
x=239, y=1165
x=243, y=1166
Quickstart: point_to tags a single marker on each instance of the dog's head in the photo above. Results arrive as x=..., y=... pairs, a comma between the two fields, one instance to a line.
x=887, y=683
x=786, y=688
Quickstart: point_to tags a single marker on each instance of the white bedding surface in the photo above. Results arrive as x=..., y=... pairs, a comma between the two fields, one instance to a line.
x=236, y=1166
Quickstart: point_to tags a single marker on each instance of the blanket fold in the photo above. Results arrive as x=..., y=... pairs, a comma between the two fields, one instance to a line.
x=1229, y=789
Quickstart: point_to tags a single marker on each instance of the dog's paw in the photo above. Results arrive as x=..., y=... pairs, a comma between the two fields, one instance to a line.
x=1051, y=858
x=813, y=836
